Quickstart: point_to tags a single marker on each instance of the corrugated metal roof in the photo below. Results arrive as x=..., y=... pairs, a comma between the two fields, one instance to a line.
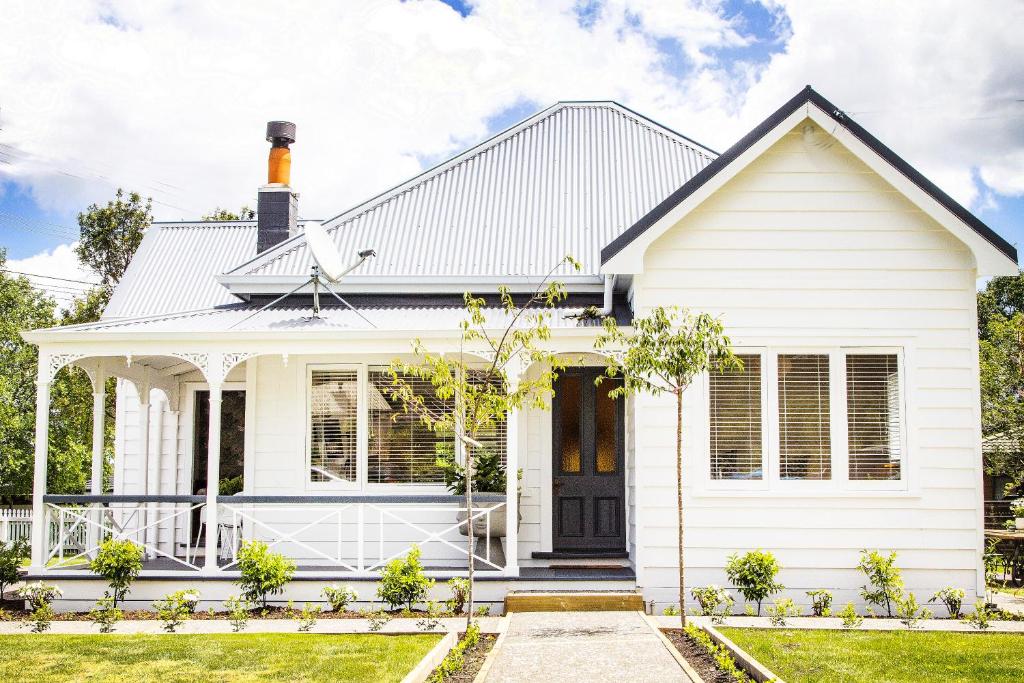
x=292, y=318
x=566, y=181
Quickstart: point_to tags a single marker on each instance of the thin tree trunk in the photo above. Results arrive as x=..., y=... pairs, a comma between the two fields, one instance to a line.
x=470, y=532
x=679, y=503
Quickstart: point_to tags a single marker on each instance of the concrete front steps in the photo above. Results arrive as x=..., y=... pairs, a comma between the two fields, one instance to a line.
x=574, y=601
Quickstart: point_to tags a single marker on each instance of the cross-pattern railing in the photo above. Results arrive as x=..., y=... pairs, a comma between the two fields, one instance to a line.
x=354, y=535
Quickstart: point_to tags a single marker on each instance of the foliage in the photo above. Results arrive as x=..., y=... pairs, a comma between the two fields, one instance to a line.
x=482, y=611
x=782, y=610
x=471, y=398
x=753, y=575
x=663, y=353
x=671, y=611
x=982, y=616
x=309, y=616
x=376, y=619
x=262, y=572
x=229, y=486
x=119, y=562
x=110, y=234
x=850, y=617
x=489, y=474
x=821, y=602
x=952, y=598
x=992, y=560
x=105, y=614
x=460, y=594
x=175, y=608
x=403, y=582
x=340, y=598
x=39, y=594
x=886, y=584
x=238, y=612
x=11, y=556
x=40, y=618
x=714, y=601
x=723, y=658
x=219, y=214
x=909, y=611
x=456, y=657
x=1017, y=507
x=432, y=619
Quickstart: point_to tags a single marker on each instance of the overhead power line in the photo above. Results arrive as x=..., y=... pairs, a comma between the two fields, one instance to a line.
x=50, y=277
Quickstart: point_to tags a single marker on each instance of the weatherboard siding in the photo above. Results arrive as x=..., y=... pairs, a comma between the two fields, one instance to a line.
x=807, y=247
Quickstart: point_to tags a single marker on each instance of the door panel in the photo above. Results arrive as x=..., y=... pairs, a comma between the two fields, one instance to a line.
x=588, y=486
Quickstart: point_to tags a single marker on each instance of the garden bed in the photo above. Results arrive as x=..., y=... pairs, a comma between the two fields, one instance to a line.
x=272, y=612
x=698, y=657
x=474, y=659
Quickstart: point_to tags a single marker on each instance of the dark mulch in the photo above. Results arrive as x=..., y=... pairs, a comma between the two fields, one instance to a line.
x=274, y=612
x=697, y=656
x=474, y=659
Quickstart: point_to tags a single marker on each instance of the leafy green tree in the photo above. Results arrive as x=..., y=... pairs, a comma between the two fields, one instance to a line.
x=119, y=562
x=753, y=574
x=472, y=397
x=262, y=572
x=111, y=234
x=402, y=581
x=663, y=353
x=219, y=214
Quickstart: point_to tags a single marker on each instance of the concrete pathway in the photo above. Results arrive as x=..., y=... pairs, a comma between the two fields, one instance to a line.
x=1009, y=602
x=581, y=646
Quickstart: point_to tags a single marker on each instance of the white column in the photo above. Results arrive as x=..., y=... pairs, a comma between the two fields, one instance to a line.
x=99, y=410
x=144, y=461
x=153, y=476
x=212, y=478
x=39, y=525
x=512, y=494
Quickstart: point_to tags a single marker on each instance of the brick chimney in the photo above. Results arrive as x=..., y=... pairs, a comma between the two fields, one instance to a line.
x=277, y=206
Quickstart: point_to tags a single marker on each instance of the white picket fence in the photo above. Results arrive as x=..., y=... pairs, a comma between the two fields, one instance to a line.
x=16, y=525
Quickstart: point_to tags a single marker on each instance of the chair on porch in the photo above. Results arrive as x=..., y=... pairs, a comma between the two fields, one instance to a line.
x=229, y=535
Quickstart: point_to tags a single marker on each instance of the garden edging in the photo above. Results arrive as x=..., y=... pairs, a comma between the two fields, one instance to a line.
x=683, y=664
x=400, y=626
x=432, y=659
x=754, y=668
x=835, y=623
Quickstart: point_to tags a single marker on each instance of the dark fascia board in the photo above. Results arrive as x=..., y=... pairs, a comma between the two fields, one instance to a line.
x=805, y=96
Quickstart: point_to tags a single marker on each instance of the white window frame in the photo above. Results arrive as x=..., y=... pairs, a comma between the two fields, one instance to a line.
x=361, y=431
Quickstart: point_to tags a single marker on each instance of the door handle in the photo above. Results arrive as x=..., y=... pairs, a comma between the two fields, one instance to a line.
x=556, y=487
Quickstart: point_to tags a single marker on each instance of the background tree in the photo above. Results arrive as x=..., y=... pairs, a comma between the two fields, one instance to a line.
x=219, y=214
x=110, y=234
x=663, y=353
x=1001, y=359
x=472, y=397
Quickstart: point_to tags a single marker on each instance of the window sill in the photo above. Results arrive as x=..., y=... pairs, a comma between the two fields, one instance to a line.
x=795, y=493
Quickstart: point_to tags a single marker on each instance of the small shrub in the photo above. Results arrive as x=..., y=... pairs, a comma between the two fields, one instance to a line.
x=340, y=598
x=482, y=611
x=748, y=610
x=753, y=575
x=982, y=616
x=952, y=598
x=403, y=582
x=39, y=594
x=175, y=608
x=263, y=573
x=238, y=613
x=456, y=657
x=910, y=611
x=377, y=619
x=309, y=617
x=722, y=656
x=671, y=611
x=5, y=615
x=821, y=602
x=782, y=610
x=11, y=557
x=714, y=601
x=460, y=594
x=40, y=618
x=886, y=584
x=119, y=562
x=850, y=617
x=105, y=615
x=432, y=619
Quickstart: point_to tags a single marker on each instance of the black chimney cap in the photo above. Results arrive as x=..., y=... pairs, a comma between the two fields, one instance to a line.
x=281, y=132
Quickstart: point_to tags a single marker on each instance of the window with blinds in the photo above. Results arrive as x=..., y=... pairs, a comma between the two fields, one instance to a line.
x=873, y=416
x=735, y=411
x=805, y=449
x=333, y=440
x=402, y=450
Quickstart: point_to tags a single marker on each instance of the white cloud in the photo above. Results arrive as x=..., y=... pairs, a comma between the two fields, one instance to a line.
x=67, y=278
x=171, y=99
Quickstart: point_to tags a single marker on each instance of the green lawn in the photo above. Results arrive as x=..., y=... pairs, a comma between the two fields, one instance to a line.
x=232, y=657
x=892, y=656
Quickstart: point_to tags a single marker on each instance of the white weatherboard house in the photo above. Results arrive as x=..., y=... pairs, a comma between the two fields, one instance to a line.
x=845, y=279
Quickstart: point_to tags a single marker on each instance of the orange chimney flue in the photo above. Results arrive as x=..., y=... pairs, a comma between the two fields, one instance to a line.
x=280, y=134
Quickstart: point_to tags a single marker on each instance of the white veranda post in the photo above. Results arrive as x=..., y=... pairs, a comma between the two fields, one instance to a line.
x=146, y=509
x=512, y=485
x=39, y=475
x=99, y=407
x=212, y=477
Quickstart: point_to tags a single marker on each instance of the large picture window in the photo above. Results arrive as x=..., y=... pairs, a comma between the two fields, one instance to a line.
x=873, y=416
x=333, y=433
x=736, y=443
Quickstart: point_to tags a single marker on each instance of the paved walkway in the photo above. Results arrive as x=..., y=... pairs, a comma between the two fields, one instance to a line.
x=1009, y=602
x=581, y=646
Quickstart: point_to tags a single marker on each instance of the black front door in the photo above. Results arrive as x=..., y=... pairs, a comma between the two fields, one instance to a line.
x=587, y=482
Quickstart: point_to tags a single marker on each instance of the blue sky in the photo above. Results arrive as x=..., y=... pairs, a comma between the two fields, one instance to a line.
x=406, y=85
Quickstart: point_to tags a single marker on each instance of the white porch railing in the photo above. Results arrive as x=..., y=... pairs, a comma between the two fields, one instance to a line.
x=336, y=536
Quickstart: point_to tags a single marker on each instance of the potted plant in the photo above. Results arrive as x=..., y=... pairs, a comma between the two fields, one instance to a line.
x=1017, y=510
x=489, y=476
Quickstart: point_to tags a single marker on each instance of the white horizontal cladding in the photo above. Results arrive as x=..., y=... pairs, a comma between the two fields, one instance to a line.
x=811, y=252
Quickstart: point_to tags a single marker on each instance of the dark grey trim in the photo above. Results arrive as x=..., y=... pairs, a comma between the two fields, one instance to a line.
x=85, y=499
x=378, y=499
x=807, y=95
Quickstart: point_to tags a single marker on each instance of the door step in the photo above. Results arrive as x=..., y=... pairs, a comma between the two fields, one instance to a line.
x=580, y=555
x=582, y=601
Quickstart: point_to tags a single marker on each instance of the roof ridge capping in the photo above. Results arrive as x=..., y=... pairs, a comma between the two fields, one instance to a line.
x=806, y=96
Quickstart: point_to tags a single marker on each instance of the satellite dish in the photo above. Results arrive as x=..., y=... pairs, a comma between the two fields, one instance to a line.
x=324, y=252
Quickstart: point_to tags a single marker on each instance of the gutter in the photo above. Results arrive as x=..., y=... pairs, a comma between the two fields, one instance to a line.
x=609, y=294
